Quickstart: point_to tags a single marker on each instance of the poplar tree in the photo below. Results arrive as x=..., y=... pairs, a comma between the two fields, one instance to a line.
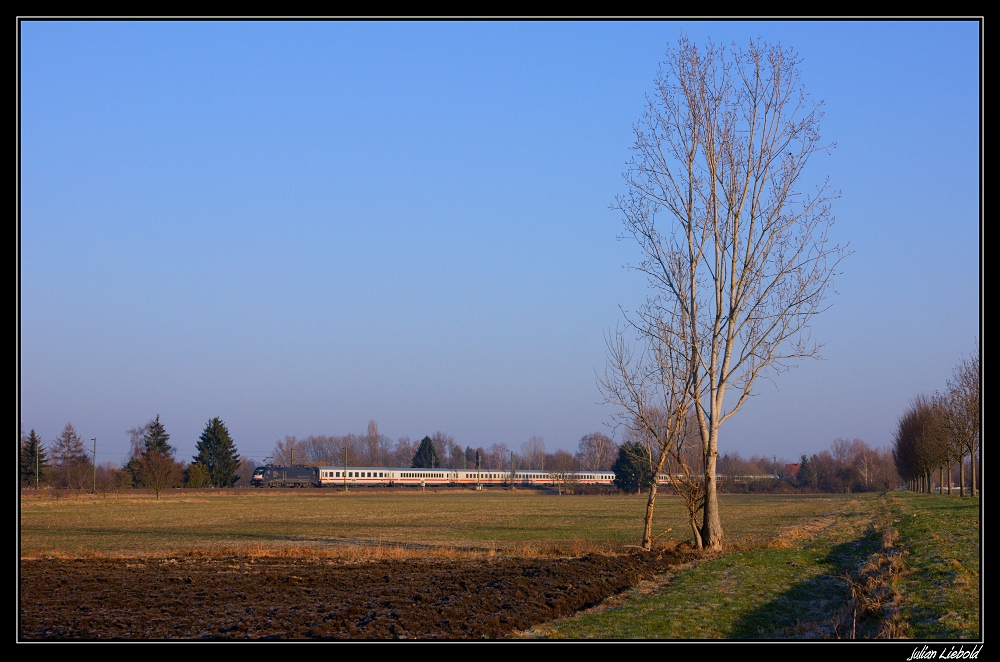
x=737, y=255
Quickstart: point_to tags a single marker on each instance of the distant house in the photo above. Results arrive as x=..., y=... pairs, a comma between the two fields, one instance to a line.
x=793, y=470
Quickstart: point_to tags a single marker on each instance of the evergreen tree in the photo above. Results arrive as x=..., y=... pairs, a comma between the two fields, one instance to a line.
x=426, y=457
x=633, y=469
x=34, y=463
x=71, y=460
x=806, y=476
x=132, y=469
x=217, y=453
x=156, y=439
x=196, y=475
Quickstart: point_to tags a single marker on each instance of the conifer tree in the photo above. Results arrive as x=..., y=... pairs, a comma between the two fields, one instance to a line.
x=633, y=469
x=426, y=457
x=806, y=476
x=218, y=454
x=156, y=439
x=71, y=461
x=34, y=463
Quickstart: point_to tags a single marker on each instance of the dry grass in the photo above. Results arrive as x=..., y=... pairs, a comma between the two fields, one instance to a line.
x=353, y=552
x=348, y=553
x=367, y=524
x=874, y=612
x=793, y=536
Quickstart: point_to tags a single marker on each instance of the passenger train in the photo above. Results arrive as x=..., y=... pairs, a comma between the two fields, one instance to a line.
x=391, y=476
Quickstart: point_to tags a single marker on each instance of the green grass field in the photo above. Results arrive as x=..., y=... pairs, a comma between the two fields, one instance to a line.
x=793, y=587
x=941, y=587
x=782, y=575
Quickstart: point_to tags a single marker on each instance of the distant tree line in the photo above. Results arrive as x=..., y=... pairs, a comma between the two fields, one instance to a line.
x=939, y=436
x=596, y=452
x=151, y=464
x=850, y=465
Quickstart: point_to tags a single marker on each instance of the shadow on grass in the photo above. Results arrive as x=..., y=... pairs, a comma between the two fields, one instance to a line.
x=811, y=608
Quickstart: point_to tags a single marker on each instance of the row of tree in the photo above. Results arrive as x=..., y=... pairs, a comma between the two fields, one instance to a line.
x=850, y=465
x=940, y=433
x=152, y=462
x=596, y=452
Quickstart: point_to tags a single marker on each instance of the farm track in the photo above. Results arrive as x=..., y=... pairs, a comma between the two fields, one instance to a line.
x=308, y=598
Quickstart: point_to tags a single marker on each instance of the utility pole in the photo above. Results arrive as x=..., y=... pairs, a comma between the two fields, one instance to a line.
x=95, y=464
x=345, y=464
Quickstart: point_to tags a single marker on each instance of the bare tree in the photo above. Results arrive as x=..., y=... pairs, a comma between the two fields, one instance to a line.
x=563, y=465
x=652, y=392
x=287, y=450
x=596, y=452
x=371, y=444
x=244, y=472
x=919, y=446
x=443, y=444
x=686, y=475
x=137, y=436
x=159, y=471
x=963, y=416
x=107, y=478
x=534, y=453
x=496, y=457
x=720, y=152
x=402, y=454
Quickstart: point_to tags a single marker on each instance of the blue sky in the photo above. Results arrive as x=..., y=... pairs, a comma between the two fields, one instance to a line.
x=301, y=226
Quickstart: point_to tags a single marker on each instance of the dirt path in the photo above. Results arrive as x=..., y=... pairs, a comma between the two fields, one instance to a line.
x=265, y=598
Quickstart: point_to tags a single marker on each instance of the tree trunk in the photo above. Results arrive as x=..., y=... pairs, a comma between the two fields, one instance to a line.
x=711, y=528
x=972, y=468
x=647, y=534
x=961, y=477
x=696, y=532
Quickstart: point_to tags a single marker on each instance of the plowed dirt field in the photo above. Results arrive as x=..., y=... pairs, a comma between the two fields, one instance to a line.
x=284, y=598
